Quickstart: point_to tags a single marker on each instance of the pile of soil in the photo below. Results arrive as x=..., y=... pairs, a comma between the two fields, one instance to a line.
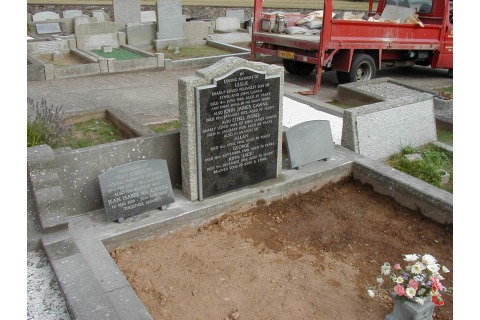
x=308, y=256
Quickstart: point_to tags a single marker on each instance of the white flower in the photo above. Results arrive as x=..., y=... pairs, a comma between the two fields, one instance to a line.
x=399, y=280
x=440, y=277
x=419, y=300
x=386, y=269
x=434, y=268
x=379, y=280
x=371, y=293
x=444, y=269
x=418, y=267
x=421, y=292
x=429, y=259
x=410, y=292
x=408, y=268
x=411, y=257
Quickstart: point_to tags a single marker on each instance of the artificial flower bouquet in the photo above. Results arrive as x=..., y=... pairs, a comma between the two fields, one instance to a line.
x=416, y=279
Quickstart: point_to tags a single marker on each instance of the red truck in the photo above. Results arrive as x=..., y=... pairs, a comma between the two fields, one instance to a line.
x=392, y=33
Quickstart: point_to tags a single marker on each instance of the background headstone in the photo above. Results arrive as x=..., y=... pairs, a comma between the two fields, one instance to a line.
x=170, y=25
x=100, y=15
x=45, y=15
x=126, y=11
x=70, y=14
x=148, y=16
x=83, y=19
x=197, y=31
x=227, y=23
x=237, y=13
x=231, y=134
x=135, y=187
x=308, y=142
x=141, y=34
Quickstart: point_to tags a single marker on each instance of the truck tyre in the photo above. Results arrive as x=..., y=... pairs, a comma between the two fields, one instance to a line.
x=298, y=67
x=363, y=69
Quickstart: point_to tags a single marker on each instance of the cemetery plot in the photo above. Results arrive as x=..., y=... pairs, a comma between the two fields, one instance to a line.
x=119, y=54
x=308, y=256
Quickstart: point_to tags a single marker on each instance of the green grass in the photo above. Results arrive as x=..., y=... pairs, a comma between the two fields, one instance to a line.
x=427, y=169
x=193, y=52
x=165, y=127
x=445, y=136
x=93, y=132
x=119, y=54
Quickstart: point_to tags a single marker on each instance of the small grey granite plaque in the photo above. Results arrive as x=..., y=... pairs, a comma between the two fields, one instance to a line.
x=48, y=28
x=308, y=142
x=135, y=187
x=237, y=131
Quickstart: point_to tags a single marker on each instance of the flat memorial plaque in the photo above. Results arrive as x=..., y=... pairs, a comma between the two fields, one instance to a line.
x=135, y=187
x=237, y=131
x=48, y=28
x=308, y=142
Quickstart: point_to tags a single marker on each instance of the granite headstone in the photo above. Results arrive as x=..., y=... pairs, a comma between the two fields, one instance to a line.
x=231, y=135
x=135, y=188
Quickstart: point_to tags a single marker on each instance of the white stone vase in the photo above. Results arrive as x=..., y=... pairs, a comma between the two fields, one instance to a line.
x=408, y=310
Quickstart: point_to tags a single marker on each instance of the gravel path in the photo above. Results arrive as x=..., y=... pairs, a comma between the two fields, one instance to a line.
x=45, y=300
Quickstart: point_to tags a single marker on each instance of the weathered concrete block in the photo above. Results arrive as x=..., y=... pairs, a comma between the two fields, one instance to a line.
x=45, y=186
x=382, y=129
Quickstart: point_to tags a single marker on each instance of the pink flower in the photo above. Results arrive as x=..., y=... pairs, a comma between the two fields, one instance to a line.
x=399, y=290
x=397, y=266
x=436, y=285
x=413, y=284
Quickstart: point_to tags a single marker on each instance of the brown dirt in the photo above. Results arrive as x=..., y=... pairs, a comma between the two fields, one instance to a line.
x=310, y=256
x=67, y=60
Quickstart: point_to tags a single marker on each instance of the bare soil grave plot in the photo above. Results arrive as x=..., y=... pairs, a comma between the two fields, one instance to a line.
x=308, y=256
x=67, y=60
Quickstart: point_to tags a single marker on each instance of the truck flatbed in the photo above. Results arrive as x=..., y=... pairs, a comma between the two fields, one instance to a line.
x=356, y=45
x=308, y=42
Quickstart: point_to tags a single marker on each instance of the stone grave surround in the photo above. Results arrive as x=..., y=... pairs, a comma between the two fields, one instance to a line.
x=195, y=144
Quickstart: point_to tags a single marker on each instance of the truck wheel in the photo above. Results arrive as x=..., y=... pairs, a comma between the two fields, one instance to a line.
x=363, y=69
x=298, y=67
